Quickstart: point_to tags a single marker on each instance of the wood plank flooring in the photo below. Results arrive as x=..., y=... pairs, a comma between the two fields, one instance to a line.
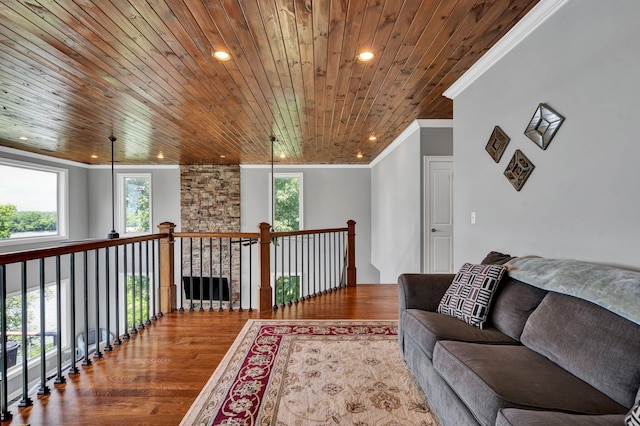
x=153, y=378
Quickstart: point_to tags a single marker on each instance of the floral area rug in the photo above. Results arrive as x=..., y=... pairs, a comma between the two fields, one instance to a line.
x=299, y=373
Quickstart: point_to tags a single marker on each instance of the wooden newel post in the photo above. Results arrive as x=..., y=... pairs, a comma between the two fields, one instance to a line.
x=351, y=253
x=265, y=302
x=167, y=275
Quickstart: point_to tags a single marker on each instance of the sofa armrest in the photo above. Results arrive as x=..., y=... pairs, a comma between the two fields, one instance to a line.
x=422, y=291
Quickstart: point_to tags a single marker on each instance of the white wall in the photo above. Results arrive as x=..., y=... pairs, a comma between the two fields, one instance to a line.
x=396, y=208
x=583, y=198
x=332, y=196
x=165, y=197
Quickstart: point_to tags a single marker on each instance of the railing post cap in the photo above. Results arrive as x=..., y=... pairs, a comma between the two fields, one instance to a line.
x=166, y=225
x=351, y=222
x=264, y=225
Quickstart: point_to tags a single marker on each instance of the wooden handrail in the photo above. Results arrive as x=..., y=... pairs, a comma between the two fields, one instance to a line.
x=23, y=256
x=307, y=232
x=254, y=235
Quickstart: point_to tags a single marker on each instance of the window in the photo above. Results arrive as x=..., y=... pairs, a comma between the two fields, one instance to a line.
x=135, y=201
x=287, y=202
x=32, y=203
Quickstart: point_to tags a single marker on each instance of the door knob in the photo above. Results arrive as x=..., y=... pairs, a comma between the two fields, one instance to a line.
x=434, y=230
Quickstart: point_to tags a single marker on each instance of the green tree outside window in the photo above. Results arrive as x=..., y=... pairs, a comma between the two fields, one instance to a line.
x=286, y=204
x=137, y=204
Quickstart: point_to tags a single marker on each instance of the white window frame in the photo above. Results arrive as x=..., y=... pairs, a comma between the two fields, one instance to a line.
x=62, y=204
x=121, y=177
x=272, y=178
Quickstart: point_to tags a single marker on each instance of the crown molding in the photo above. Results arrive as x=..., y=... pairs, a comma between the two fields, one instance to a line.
x=134, y=166
x=41, y=157
x=56, y=160
x=305, y=166
x=412, y=128
x=529, y=23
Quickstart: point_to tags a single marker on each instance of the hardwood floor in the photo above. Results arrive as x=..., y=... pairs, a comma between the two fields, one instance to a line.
x=153, y=378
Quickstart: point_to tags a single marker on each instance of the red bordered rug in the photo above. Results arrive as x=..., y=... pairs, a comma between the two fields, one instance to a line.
x=288, y=373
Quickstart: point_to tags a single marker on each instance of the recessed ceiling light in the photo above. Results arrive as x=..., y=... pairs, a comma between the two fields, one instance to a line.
x=373, y=138
x=223, y=156
x=23, y=138
x=359, y=155
x=221, y=55
x=282, y=155
x=365, y=56
x=161, y=155
x=94, y=156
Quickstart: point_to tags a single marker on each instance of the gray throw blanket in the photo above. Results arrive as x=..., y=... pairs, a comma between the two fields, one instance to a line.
x=615, y=289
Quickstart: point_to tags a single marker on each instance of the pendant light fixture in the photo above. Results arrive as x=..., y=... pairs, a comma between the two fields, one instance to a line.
x=273, y=190
x=113, y=234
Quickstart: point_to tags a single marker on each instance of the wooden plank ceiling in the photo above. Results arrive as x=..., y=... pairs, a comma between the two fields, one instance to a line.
x=74, y=72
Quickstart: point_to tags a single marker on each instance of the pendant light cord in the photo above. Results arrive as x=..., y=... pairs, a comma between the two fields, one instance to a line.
x=113, y=234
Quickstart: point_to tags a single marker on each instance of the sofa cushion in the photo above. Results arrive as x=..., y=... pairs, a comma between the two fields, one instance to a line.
x=594, y=344
x=496, y=258
x=427, y=328
x=517, y=417
x=490, y=377
x=513, y=303
x=470, y=294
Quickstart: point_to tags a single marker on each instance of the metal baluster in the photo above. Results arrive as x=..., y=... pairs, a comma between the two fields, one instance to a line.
x=191, y=274
x=125, y=293
x=182, y=289
x=315, y=265
x=25, y=401
x=133, y=329
x=97, y=353
x=324, y=264
x=240, y=269
x=295, y=259
x=107, y=301
x=334, y=273
x=5, y=414
x=275, y=272
x=44, y=389
x=282, y=300
x=305, y=261
x=85, y=286
x=116, y=280
x=147, y=283
x=344, y=260
x=220, y=275
x=140, y=287
x=250, y=274
x=302, y=237
x=73, y=368
x=201, y=279
x=154, y=304
x=159, y=305
x=210, y=274
x=60, y=379
x=230, y=281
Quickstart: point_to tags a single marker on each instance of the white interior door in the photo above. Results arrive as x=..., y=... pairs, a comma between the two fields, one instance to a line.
x=438, y=187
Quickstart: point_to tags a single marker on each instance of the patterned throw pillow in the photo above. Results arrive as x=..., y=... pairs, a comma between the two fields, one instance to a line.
x=469, y=296
x=633, y=418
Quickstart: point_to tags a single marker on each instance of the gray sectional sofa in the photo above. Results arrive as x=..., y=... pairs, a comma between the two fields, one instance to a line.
x=545, y=357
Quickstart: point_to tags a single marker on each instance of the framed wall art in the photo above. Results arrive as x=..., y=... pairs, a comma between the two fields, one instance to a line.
x=518, y=170
x=497, y=143
x=543, y=125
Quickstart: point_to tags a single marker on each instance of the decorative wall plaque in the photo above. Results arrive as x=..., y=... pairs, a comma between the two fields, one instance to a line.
x=543, y=125
x=518, y=170
x=497, y=143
